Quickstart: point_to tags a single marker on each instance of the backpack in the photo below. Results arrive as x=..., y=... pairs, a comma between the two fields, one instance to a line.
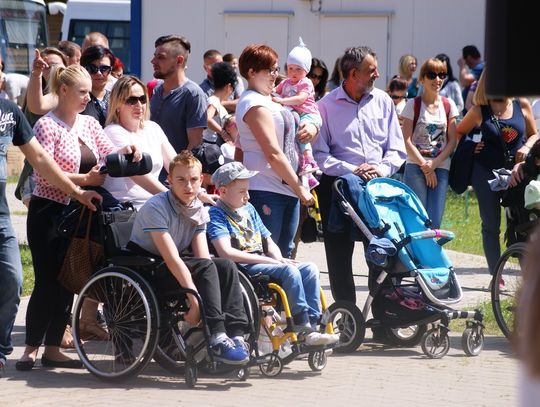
x=418, y=105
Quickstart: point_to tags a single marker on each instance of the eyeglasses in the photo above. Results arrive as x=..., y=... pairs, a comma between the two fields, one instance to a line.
x=94, y=69
x=132, y=100
x=396, y=97
x=313, y=76
x=432, y=75
x=273, y=71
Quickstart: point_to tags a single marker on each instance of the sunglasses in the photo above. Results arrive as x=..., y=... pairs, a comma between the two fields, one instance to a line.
x=94, y=69
x=432, y=75
x=132, y=100
x=313, y=76
x=396, y=97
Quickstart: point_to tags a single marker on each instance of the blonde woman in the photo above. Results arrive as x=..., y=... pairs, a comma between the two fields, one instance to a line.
x=128, y=123
x=515, y=134
x=78, y=145
x=407, y=68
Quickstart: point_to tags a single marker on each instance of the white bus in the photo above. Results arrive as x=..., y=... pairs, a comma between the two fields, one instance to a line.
x=23, y=27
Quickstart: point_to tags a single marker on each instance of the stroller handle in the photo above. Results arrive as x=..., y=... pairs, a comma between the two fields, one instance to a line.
x=443, y=236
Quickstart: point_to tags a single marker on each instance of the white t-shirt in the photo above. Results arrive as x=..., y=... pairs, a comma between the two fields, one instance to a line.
x=254, y=159
x=221, y=112
x=149, y=140
x=430, y=134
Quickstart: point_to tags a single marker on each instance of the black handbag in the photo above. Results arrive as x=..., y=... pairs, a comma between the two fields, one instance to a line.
x=461, y=165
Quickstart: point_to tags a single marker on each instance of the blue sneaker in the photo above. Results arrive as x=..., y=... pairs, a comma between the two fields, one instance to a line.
x=227, y=352
x=240, y=343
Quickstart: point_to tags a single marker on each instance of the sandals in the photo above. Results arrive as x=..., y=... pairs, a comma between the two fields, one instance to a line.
x=91, y=331
x=67, y=339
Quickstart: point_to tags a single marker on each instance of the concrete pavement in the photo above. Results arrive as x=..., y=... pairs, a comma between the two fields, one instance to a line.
x=374, y=375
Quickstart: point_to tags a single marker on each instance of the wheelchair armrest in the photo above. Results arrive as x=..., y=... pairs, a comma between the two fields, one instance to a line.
x=128, y=260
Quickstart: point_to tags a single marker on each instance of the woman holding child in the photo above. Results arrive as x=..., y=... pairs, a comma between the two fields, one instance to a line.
x=267, y=135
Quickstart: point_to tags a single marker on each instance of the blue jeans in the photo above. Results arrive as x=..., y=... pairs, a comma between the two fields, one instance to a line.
x=10, y=283
x=433, y=199
x=280, y=214
x=490, y=213
x=301, y=284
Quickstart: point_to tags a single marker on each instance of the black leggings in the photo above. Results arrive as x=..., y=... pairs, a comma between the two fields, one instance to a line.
x=50, y=304
x=219, y=287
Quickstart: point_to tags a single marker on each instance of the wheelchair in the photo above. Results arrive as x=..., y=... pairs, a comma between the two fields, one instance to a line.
x=145, y=321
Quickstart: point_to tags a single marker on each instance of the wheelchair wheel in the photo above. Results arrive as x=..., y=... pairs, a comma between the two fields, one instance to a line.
x=168, y=354
x=131, y=319
x=317, y=360
x=272, y=367
x=406, y=337
x=472, y=341
x=505, y=285
x=253, y=310
x=347, y=321
x=435, y=343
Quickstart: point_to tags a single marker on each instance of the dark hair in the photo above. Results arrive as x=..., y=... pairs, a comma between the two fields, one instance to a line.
x=353, y=58
x=320, y=89
x=69, y=48
x=446, y=59
x=470, y=50
x=397, y=83
x=336, y=76
x=96, y=52
x=211, y=53
x=256, y=57
x=179, y=45
x=228, y=57
x=223, y=74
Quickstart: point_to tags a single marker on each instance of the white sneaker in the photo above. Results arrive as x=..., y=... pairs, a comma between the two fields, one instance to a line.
x=317, y=339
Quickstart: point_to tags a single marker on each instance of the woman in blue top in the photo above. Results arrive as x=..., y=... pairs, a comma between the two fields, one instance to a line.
x=501, y=145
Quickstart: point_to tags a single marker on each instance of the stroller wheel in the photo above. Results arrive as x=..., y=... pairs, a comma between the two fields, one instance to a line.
x=435, y=343
x=317, y=360
x=348, y=322
x=273, y=367
x=472, y=341
x=406, y=337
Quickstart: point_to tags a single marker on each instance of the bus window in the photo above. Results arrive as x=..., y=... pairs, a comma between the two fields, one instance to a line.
x=22, y=28
x=117, y=33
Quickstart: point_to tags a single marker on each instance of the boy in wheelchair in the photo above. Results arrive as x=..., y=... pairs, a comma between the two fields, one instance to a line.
x=237, y=233
x=169, y=223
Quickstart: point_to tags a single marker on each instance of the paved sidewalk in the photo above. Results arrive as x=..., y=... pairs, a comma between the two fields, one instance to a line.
x=372, y=376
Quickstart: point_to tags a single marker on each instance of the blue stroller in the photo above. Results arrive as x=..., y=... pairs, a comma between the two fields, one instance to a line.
x=412, y=282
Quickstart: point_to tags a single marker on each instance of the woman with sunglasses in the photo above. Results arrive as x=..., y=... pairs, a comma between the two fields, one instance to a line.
x=267, y=138
x=319, y=77
x=429, y=130
x=450, y=87
x=77, y=143
x=508, y=132
x=128, y=123
x=98, y=61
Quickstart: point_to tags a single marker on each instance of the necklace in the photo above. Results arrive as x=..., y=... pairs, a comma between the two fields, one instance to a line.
x=499, y=111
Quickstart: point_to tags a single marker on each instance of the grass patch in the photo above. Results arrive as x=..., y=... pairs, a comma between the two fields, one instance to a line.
x=28, y=269
x=461, y=216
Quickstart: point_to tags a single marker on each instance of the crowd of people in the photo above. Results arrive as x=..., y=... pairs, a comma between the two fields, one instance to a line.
x=279, y=138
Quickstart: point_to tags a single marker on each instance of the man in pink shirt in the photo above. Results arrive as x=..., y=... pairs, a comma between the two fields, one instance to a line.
x=360, y=135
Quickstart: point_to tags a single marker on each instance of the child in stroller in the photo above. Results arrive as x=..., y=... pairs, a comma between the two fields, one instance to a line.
x=414, y=282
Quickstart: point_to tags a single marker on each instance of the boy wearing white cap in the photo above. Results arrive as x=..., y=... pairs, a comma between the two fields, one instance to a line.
x=298, y=93
x=238, y=234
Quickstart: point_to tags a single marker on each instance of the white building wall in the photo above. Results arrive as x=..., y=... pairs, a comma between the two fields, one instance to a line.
x=421, y=27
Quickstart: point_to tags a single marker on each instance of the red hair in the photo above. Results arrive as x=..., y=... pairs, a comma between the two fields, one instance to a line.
x=256, y=57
